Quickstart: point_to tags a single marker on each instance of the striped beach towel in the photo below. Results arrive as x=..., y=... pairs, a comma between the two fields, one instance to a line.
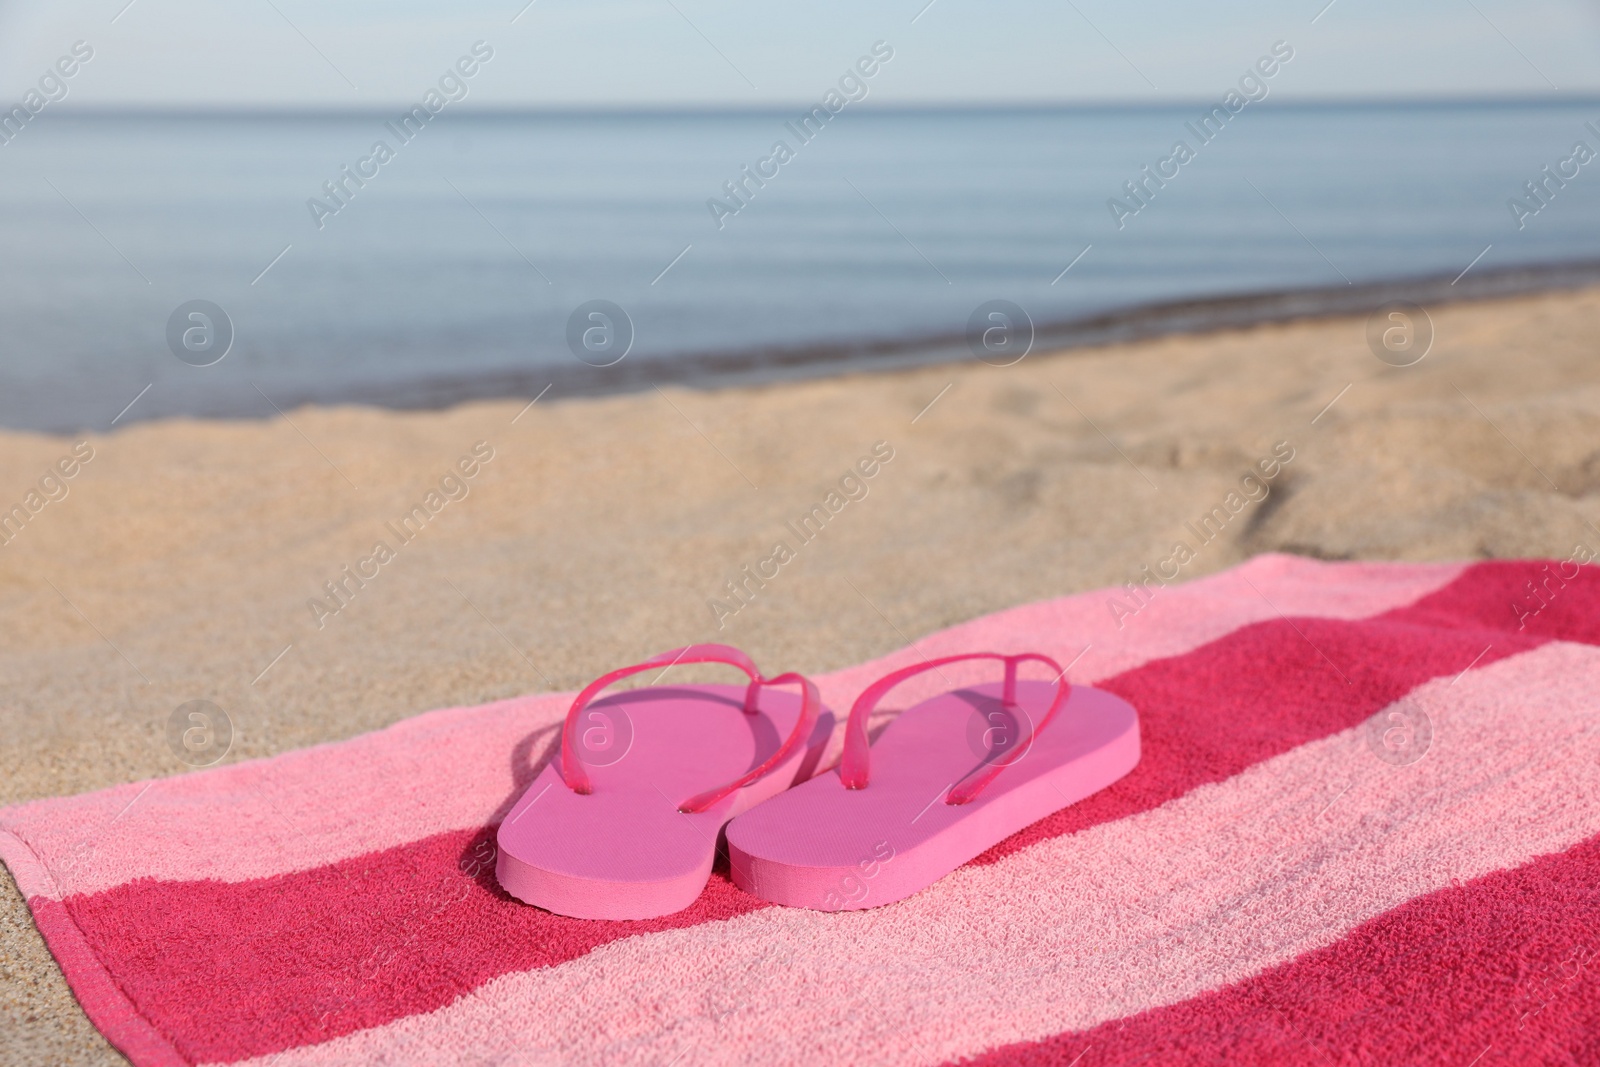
x=1365, y=830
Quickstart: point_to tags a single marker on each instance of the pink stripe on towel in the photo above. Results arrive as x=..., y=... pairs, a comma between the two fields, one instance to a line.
x=1446, y=979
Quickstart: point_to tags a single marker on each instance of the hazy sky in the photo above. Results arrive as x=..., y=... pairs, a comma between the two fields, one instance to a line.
x=718, y=52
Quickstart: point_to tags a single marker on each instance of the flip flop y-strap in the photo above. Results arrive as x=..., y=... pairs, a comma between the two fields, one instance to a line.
x=853, y=766
x=577, y=778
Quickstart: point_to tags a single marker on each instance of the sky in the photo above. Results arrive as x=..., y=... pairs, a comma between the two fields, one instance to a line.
x=721, y=53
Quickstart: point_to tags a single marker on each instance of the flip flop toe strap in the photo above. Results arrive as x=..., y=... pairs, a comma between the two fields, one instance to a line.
x=853, y=767
x=576, y=775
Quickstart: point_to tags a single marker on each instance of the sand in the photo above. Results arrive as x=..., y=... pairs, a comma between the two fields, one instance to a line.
x=182, y=562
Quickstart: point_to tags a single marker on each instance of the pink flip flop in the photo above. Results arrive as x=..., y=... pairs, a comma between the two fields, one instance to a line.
x=628, y=827
x=950, y=778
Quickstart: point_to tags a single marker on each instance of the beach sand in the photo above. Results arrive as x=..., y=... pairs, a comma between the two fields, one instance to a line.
x=180, y=564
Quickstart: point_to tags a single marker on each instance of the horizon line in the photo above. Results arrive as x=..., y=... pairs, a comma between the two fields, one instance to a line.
x=621, y=110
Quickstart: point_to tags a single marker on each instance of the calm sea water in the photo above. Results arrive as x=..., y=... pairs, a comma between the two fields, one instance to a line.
x=466, y=254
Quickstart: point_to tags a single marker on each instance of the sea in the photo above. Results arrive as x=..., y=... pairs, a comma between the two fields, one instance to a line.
x=504, y=254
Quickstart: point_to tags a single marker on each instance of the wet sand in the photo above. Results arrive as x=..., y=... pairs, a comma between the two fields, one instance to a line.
x=184, y=559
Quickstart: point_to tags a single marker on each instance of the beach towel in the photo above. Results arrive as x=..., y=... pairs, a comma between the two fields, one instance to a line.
x=1365, y=830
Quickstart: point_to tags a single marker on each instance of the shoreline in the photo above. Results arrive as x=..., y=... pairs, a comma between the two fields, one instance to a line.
x=708, y=371
x=728, y=368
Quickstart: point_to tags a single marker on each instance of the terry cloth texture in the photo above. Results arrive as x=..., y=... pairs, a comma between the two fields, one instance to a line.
x=1365, y=829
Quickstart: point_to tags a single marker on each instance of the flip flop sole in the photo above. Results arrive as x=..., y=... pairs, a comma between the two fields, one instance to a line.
x=625, y=851
x=825, y=847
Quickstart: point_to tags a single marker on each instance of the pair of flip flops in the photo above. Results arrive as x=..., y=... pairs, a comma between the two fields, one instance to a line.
x=627, y=826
